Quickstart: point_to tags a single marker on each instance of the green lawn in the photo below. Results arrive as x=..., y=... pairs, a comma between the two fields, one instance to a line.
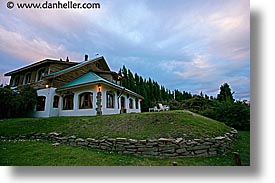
x=18, y=153
x=170, y=124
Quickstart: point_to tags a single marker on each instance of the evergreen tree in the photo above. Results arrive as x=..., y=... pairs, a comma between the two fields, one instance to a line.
x=225, y=94
x=125, y=77
x=201, y=94
x=131, y=81
x=163, y=95
x=137, y=83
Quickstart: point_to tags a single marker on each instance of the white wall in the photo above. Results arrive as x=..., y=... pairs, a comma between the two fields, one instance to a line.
x=106, y=110
x=49, y=111
x=133, y=110
x=117, y=105
x=76, y=111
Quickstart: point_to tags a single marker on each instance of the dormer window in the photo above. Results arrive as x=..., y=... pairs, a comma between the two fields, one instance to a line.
x=15, y=81
x=27, y=78
x=40, y=74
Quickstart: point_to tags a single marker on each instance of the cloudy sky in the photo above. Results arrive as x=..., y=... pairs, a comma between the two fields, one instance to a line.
x=187, y=45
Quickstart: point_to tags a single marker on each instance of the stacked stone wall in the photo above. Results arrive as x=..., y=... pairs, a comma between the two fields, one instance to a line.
x=162, y=147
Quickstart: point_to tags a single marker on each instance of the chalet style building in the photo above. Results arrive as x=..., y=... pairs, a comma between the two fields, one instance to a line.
x=66, y=88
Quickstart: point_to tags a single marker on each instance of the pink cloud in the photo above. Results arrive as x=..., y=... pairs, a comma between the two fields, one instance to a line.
x=31, y=49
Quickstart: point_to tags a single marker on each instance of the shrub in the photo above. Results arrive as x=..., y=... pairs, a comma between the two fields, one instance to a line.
x=16, y=103
x=234, y=114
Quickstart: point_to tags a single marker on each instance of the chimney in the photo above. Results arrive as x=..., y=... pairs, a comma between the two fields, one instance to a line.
x=86, y=57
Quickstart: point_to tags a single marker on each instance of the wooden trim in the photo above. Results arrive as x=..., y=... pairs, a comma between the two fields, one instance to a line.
x=46, y=61
x=79, y=66
x=74, y=87
x=98, y=82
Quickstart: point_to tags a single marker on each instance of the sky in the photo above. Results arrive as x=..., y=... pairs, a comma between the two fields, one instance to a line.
x=187, y=45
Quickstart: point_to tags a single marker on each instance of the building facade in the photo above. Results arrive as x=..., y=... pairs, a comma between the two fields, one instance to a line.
x=86, y=88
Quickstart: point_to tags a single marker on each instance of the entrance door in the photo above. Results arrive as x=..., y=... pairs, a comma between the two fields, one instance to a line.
x=122, y=103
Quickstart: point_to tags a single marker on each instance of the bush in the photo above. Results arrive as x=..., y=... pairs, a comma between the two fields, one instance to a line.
x=234, y=114
x=6, y=104
x=16, y=103
x=174, y=105
x=196, y=104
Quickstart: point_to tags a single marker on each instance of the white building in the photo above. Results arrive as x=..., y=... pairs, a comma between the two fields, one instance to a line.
x=87, y=88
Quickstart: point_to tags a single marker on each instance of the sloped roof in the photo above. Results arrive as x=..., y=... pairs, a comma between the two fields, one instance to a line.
x=81, y=64
x=92, y=78
x=38, y=64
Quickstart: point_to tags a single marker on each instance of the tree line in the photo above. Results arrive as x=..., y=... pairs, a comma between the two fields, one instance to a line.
x=223, y=107
x=152, y=92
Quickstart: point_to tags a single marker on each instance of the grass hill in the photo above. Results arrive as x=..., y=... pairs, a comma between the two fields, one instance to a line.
x=139, y=126
x=171, y=124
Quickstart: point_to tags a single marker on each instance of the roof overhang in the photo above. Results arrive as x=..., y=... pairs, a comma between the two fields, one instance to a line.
x=100, y=82
x=37, y=64
x=79, y=65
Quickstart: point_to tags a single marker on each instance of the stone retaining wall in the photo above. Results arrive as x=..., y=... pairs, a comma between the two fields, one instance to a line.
x=162, y=147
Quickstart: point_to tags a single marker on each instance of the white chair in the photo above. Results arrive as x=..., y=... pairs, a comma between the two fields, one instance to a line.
x=151, y=109
x=161, y=108
x=166, y=107
x=154, y=109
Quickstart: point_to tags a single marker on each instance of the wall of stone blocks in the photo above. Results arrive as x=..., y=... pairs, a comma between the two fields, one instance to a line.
x=162, y=147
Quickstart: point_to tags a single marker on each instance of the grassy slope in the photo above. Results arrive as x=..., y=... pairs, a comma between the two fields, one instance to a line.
x=43, y=153
x=140, y=126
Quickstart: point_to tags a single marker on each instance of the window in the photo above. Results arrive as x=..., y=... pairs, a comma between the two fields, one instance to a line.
x=41, y=100
x=131, y=103
x=68, y=102
x=136, y=103
x=55, y=101
x=27, y=78
x=15, y=81
x=86, y=100
x=110, y=100
x=40, y=73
